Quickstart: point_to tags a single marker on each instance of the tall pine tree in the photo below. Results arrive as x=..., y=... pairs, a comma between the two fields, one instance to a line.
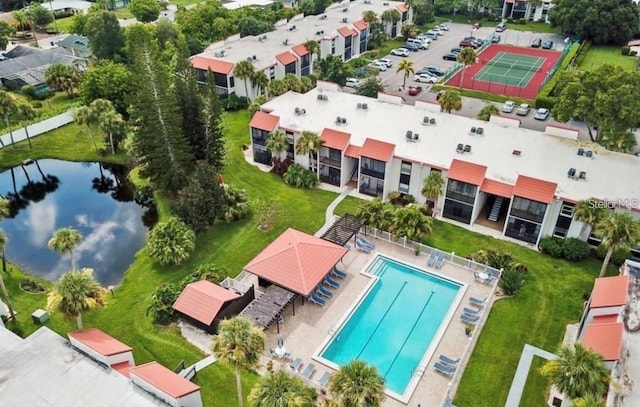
x=159, y=138
x=214, y=129
x=191, y=105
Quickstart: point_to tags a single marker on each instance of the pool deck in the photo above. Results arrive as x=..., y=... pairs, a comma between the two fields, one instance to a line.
x=312, y=324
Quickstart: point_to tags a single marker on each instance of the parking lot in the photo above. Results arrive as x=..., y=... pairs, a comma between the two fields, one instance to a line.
x=451, y=39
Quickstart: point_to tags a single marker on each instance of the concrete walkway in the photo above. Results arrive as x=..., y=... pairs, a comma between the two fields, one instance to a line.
x=329, y=217
x=520, y=378
x=39, y=128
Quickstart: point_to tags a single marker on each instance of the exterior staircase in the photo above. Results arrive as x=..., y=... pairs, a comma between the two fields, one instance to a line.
x=354, y=174
x=495, y=209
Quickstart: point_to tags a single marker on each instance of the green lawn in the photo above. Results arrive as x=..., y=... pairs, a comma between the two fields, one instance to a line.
x=123, y=13
x=184, y=2
x=607, y=54
x=529, y=26
x=56, y=104
x=64, y=25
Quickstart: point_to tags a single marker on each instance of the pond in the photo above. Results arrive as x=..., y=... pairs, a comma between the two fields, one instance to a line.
x=95, y=199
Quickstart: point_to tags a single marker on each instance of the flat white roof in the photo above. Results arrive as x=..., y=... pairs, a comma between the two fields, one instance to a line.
x=609, y=175
x=243, y=3
x=67, y=4
x=43, y=370
x=265, y=51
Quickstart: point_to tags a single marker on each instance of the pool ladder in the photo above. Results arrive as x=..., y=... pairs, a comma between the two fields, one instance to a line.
x=419, y=370
x=332, y=330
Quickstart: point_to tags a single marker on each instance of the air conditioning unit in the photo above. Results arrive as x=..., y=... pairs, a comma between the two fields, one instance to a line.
x=300, y=111
x=588, y=154
x=255, y=58
x=432, y=121
x=409, y=135
x=359, y=105
x=459, y=148
x=425, y=120
x=262, y=37
x=571, y=173
x=416, y=136
x=249, y=59
x=385, y=3
x=338, y=120
x=581, y=151
x=344, y=120
x=582, y=175
x=473, y=130
x=365, y=106
x=467, y=148
x=344, y=10
x=322, y=97
x=323, y=17
x=479, y=131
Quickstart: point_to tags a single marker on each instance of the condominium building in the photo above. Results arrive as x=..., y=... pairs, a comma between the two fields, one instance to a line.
x=524, y=9
x=339, y=31
x=521, y=182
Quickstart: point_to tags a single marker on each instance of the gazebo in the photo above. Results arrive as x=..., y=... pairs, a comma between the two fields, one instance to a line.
x=343, y=229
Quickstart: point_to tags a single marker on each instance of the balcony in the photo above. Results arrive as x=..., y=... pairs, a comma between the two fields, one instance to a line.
x=533, y=217
x=524, y=236
x=330, y=162
x=371, y=173
x=377, y=192
x=461, y=197
x=330, y=179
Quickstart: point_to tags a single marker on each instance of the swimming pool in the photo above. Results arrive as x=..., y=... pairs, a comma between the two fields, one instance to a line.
x=395, y=323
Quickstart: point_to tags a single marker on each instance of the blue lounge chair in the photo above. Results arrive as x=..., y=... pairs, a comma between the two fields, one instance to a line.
x=365, y=242
x=469, y=319
x=432, y=258
x=338, y=273
x=448, y=360
x=477, y=302
x=317, y=300
x=272, y=352
x=324, y=379
x=320, y=290
x=445, y=369
x=296, y=364
x=331, y=282
x=308, y=371
x=364, y=249
x=470, y=311
x=439, y=262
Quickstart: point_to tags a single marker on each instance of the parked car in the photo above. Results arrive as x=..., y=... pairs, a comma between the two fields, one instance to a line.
x=450, y=56
x=455, y=50
x=400, y=52
x=424, y=38
x=508, y=106
x=381, y=66
x=386, y=61
x=432, y=35
x=542, y=114
x=414, y=90
x=501, y=27
x=468, y=43
x=425, y=78
x=536, y=43
x=547, y=44
x=477, y=25
x=495, y=38
x=432, y=70
x=436, y=31
x=353, y=82
x=523, y=109
x=477, y=40
x=444, y=27
x=411, y=47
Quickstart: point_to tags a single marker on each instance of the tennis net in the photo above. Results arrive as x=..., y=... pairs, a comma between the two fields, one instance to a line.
x=513, y=65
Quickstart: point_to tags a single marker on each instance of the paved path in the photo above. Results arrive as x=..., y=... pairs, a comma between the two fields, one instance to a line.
x=520, y=378
x=328, y=216
x=39, y=128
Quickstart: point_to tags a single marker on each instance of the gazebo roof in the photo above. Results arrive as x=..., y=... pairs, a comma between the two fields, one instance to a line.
x=343, y=229
x=296, y=261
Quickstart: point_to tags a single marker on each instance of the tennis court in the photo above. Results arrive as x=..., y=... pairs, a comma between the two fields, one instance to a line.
x=510, y=69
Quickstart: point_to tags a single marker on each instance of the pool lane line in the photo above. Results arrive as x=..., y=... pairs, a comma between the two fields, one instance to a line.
x=381, y=319
x=410, y=332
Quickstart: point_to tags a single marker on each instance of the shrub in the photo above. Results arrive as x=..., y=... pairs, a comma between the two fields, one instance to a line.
x=633, y=53
x=171, y=242
x=499, y=260
x=546, y=97
x=625, y=50
x=299, y=177
x=511, y=282
x=29, y=91
x=36, y=104
x=409, y=199
x=618, y=257
x=161, y=307
x=551, y=245
x=574, y=249
x=236, y=204
x=234, y=103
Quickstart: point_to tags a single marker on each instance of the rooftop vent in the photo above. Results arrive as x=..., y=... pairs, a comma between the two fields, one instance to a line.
x=285, y=41
x=320, y=32
x=344, y=10
x=588, y=154
x=322, y=97
x=344, y=20
x=467, y=148
x=459, y=148
x=516, y=152
x=300, y=111
x=473, y=130
x=323, y=17
x=582, y=175
x=581, y=151
x=262, y=37
x=571, y=173
x=480, y=131
x=292, y=27
x=425, y=120
x=341, y=120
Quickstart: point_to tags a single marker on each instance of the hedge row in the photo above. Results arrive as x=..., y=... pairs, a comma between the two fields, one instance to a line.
x=546, y=98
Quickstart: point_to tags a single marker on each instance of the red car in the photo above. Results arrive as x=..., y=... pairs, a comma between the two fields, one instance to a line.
x=414, y=90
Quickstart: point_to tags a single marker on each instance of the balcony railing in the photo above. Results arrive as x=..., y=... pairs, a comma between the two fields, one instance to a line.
x=533, y=217
x=461, y=197
x=371, y=191
x=371, y=173
x=330, y=162
x=524, y=236
x=330, y=179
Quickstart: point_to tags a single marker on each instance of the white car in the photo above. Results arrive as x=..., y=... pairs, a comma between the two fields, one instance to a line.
x=386, y=61
x=424, y=38
x=444, y=27
x=437, y=30
x=381, y=66
x=508, y=106
x=400, y=52
x=425, y=78
x=523, y=109
x=353, y=83
x=541, y=114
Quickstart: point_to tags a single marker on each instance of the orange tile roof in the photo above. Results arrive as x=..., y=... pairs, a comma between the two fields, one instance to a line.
x=205, y=63
x=402, y=8
x=264, y=121
x=286, y=58
x=353, y=151
x=345, y=31
x=164, y=379
x=99, y=341
x=296, y=261
x=300, y=49
x=361, y=25
x=605, y=319
x=335, y=139
x=534, y=189
x=497, y=188
x=378, y=150
x=203, y=300
x=609, y=292
x=606, y=339
x=466, y=172
x=122, y=368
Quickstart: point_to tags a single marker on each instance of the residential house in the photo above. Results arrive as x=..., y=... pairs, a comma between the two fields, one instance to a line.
x=76, y=45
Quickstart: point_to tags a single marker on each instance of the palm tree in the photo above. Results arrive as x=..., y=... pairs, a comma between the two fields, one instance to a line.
x=63, y=78
x=589, y=213
x=277, y=143
x=277, y=87
x=357, y=384
x=239, y=344
x=392, y=15
x=8, y=103
x=369, y=16
x=577, y=371
x=65, y=240
x=466, y=57
x=450, y=100
x=244, y=70
x=309, y=143
x=279, y=388
x=85, y=115
x=314, y=49
x=261, y=82
x=409, y=222
x=589, y=400
x=619, y=231
x=111, y=123
x=25, y=112
x=405, y=66
x=375, y=213
x=74, y=293
x=487, y=111
x=3, y=243
x=432, y=187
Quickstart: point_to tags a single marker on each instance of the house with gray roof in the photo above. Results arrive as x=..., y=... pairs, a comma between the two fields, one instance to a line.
x=76, y=45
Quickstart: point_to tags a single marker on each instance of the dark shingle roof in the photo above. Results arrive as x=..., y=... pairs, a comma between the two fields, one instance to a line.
x=30, y=64
x=77, y=42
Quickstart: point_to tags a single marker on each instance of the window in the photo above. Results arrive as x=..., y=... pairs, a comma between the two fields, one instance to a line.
x=232, y=82
x=290, y=150
x=405, y=168
x=461, y=188
x=335, y=154
x=272, y=73
x=522, y=230
x=333, y=46
x=457, y=211
x=567, y=209
x=290, y=68
x=372, y=167
x=527, y=209
x=347, y=48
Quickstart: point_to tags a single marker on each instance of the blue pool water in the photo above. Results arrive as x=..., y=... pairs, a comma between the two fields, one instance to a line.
x=395, y=322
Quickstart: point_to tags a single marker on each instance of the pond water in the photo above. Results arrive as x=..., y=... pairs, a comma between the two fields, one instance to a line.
x=95, y=199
